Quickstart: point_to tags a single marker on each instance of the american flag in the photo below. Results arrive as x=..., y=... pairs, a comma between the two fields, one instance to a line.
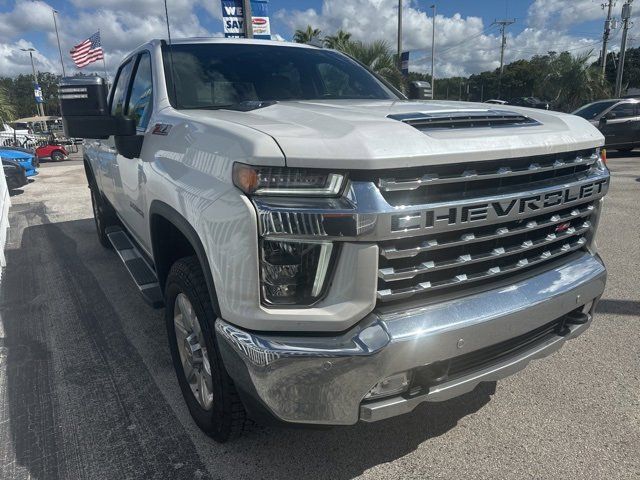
x=88, y=51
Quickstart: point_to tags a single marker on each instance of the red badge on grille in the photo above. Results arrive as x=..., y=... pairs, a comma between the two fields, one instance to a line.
x=563, y=227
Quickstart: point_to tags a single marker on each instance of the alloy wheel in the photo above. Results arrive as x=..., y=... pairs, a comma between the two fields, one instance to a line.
x=193, y=351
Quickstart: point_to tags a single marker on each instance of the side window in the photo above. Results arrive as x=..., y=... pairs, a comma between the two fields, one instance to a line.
x=120, y=93
x=140, y=100
x=623, y=110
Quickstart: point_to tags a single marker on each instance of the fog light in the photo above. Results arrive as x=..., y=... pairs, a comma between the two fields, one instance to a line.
x=393, y=385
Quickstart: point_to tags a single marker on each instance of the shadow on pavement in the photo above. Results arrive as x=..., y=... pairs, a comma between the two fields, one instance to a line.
x=83, y=404
x=619, y=307
x=617, y=154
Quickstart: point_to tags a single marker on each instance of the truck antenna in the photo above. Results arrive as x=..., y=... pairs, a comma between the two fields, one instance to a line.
x=173, y=76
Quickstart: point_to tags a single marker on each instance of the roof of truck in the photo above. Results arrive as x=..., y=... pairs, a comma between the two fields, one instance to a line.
x=254, y=41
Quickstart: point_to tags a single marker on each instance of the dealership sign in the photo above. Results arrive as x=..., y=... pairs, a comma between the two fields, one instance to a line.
x=233, y=20
x=37, y=92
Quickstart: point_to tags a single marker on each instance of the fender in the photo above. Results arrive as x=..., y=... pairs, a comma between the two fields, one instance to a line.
x=161, y=209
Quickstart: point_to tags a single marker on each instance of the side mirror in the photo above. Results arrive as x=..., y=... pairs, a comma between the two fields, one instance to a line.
x=610, y=115
x=85, y=110
x=419, y=90
x=129, y=146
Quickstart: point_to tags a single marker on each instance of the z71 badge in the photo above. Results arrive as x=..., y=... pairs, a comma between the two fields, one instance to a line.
x=161, y=129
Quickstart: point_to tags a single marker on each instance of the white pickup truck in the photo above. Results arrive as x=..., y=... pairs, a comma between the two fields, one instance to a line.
x=326, y=250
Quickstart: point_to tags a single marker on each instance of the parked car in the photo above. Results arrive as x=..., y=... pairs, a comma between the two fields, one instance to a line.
x=14, y=173
x=27, y=160
x=531, y=102
x=52, y=151
x=328, y=251
x=617, y=119
x=29, y=151
x=496, y=101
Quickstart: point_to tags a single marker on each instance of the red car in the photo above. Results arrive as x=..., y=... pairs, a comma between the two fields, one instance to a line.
x=52, y=151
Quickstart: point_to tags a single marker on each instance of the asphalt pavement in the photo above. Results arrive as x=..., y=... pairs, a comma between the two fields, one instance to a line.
x=87, y=388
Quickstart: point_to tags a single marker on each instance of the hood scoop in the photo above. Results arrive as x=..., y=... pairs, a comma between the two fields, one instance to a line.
x=464, y=119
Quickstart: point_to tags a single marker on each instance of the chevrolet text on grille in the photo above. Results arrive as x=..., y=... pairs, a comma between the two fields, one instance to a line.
x=507, y=209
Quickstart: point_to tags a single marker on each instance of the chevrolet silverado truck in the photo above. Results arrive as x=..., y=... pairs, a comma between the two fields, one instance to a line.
x=326, y=250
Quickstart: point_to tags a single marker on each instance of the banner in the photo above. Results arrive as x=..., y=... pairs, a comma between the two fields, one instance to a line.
x=404, y=62
x=233, y=20
x=37, y=92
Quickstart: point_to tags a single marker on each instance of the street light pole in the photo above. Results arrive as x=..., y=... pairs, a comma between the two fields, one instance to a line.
x=55, y=24
x=433, y=53
x=605, y=36
x=626, y=14
x=399, y=34
x=39, y=108
x=248, y=18
x=503, y=25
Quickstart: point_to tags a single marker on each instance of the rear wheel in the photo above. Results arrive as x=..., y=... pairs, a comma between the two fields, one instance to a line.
x=207, y=388
x=103, y=216
x=57, y=156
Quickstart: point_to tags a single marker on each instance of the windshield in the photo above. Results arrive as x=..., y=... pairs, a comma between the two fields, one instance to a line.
x=594, y=109
x=219, y=75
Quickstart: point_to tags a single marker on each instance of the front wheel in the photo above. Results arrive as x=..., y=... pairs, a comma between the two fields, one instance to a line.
x=103, y=216
x=57, y=156
x=207, y=388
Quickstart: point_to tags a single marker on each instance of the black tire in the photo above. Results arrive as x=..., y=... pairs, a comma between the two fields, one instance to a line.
x=226, y=418
x=57, y=156
x=103, y=216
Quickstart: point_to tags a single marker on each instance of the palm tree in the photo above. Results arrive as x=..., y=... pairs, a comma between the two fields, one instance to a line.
x=7, y=110
x=572, y=81
x=377, y=56
x=307, y=35
x=336, y=41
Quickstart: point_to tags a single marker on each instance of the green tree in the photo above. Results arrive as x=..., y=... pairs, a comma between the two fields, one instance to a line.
x=7, y=111
x=378, y=57
x=338, y=40
x=571, y=81
x=307, y=35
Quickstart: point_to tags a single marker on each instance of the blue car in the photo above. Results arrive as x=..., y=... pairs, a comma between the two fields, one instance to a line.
x=26, y=160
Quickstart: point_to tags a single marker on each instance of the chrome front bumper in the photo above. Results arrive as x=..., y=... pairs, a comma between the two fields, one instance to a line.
x=323, y=379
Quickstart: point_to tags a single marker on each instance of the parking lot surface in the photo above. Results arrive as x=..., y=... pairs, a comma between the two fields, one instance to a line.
x=87, y=388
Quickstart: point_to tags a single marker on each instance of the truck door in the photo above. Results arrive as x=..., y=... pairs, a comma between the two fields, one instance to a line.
x=130, y=186
x=618, y=130
x=107, y=158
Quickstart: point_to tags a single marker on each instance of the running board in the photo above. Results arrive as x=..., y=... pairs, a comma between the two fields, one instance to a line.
x=144, y=276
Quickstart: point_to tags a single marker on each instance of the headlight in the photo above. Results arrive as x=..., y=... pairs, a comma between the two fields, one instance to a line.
x=294, y=273
x=287, y=181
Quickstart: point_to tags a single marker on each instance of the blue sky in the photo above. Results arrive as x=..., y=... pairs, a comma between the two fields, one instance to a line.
x=464, y=36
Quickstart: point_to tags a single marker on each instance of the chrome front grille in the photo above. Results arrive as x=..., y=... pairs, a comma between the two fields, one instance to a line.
x=479, y=252
x=449, y=227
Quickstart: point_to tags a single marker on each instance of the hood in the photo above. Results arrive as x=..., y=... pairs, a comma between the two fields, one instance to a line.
x=15, y=155
x=349, y=134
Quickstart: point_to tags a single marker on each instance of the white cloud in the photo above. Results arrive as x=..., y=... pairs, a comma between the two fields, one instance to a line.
x=464, y=45
x=123, y=25
x=563, y=14
x=26, y=15
x=13, y=59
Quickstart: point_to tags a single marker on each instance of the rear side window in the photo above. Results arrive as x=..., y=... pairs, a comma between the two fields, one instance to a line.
x=624, y=110
x=120, y=93
x=140, y=100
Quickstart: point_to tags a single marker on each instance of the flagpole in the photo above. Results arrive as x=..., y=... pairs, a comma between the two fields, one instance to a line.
x=55, y=24
x=104, y=64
